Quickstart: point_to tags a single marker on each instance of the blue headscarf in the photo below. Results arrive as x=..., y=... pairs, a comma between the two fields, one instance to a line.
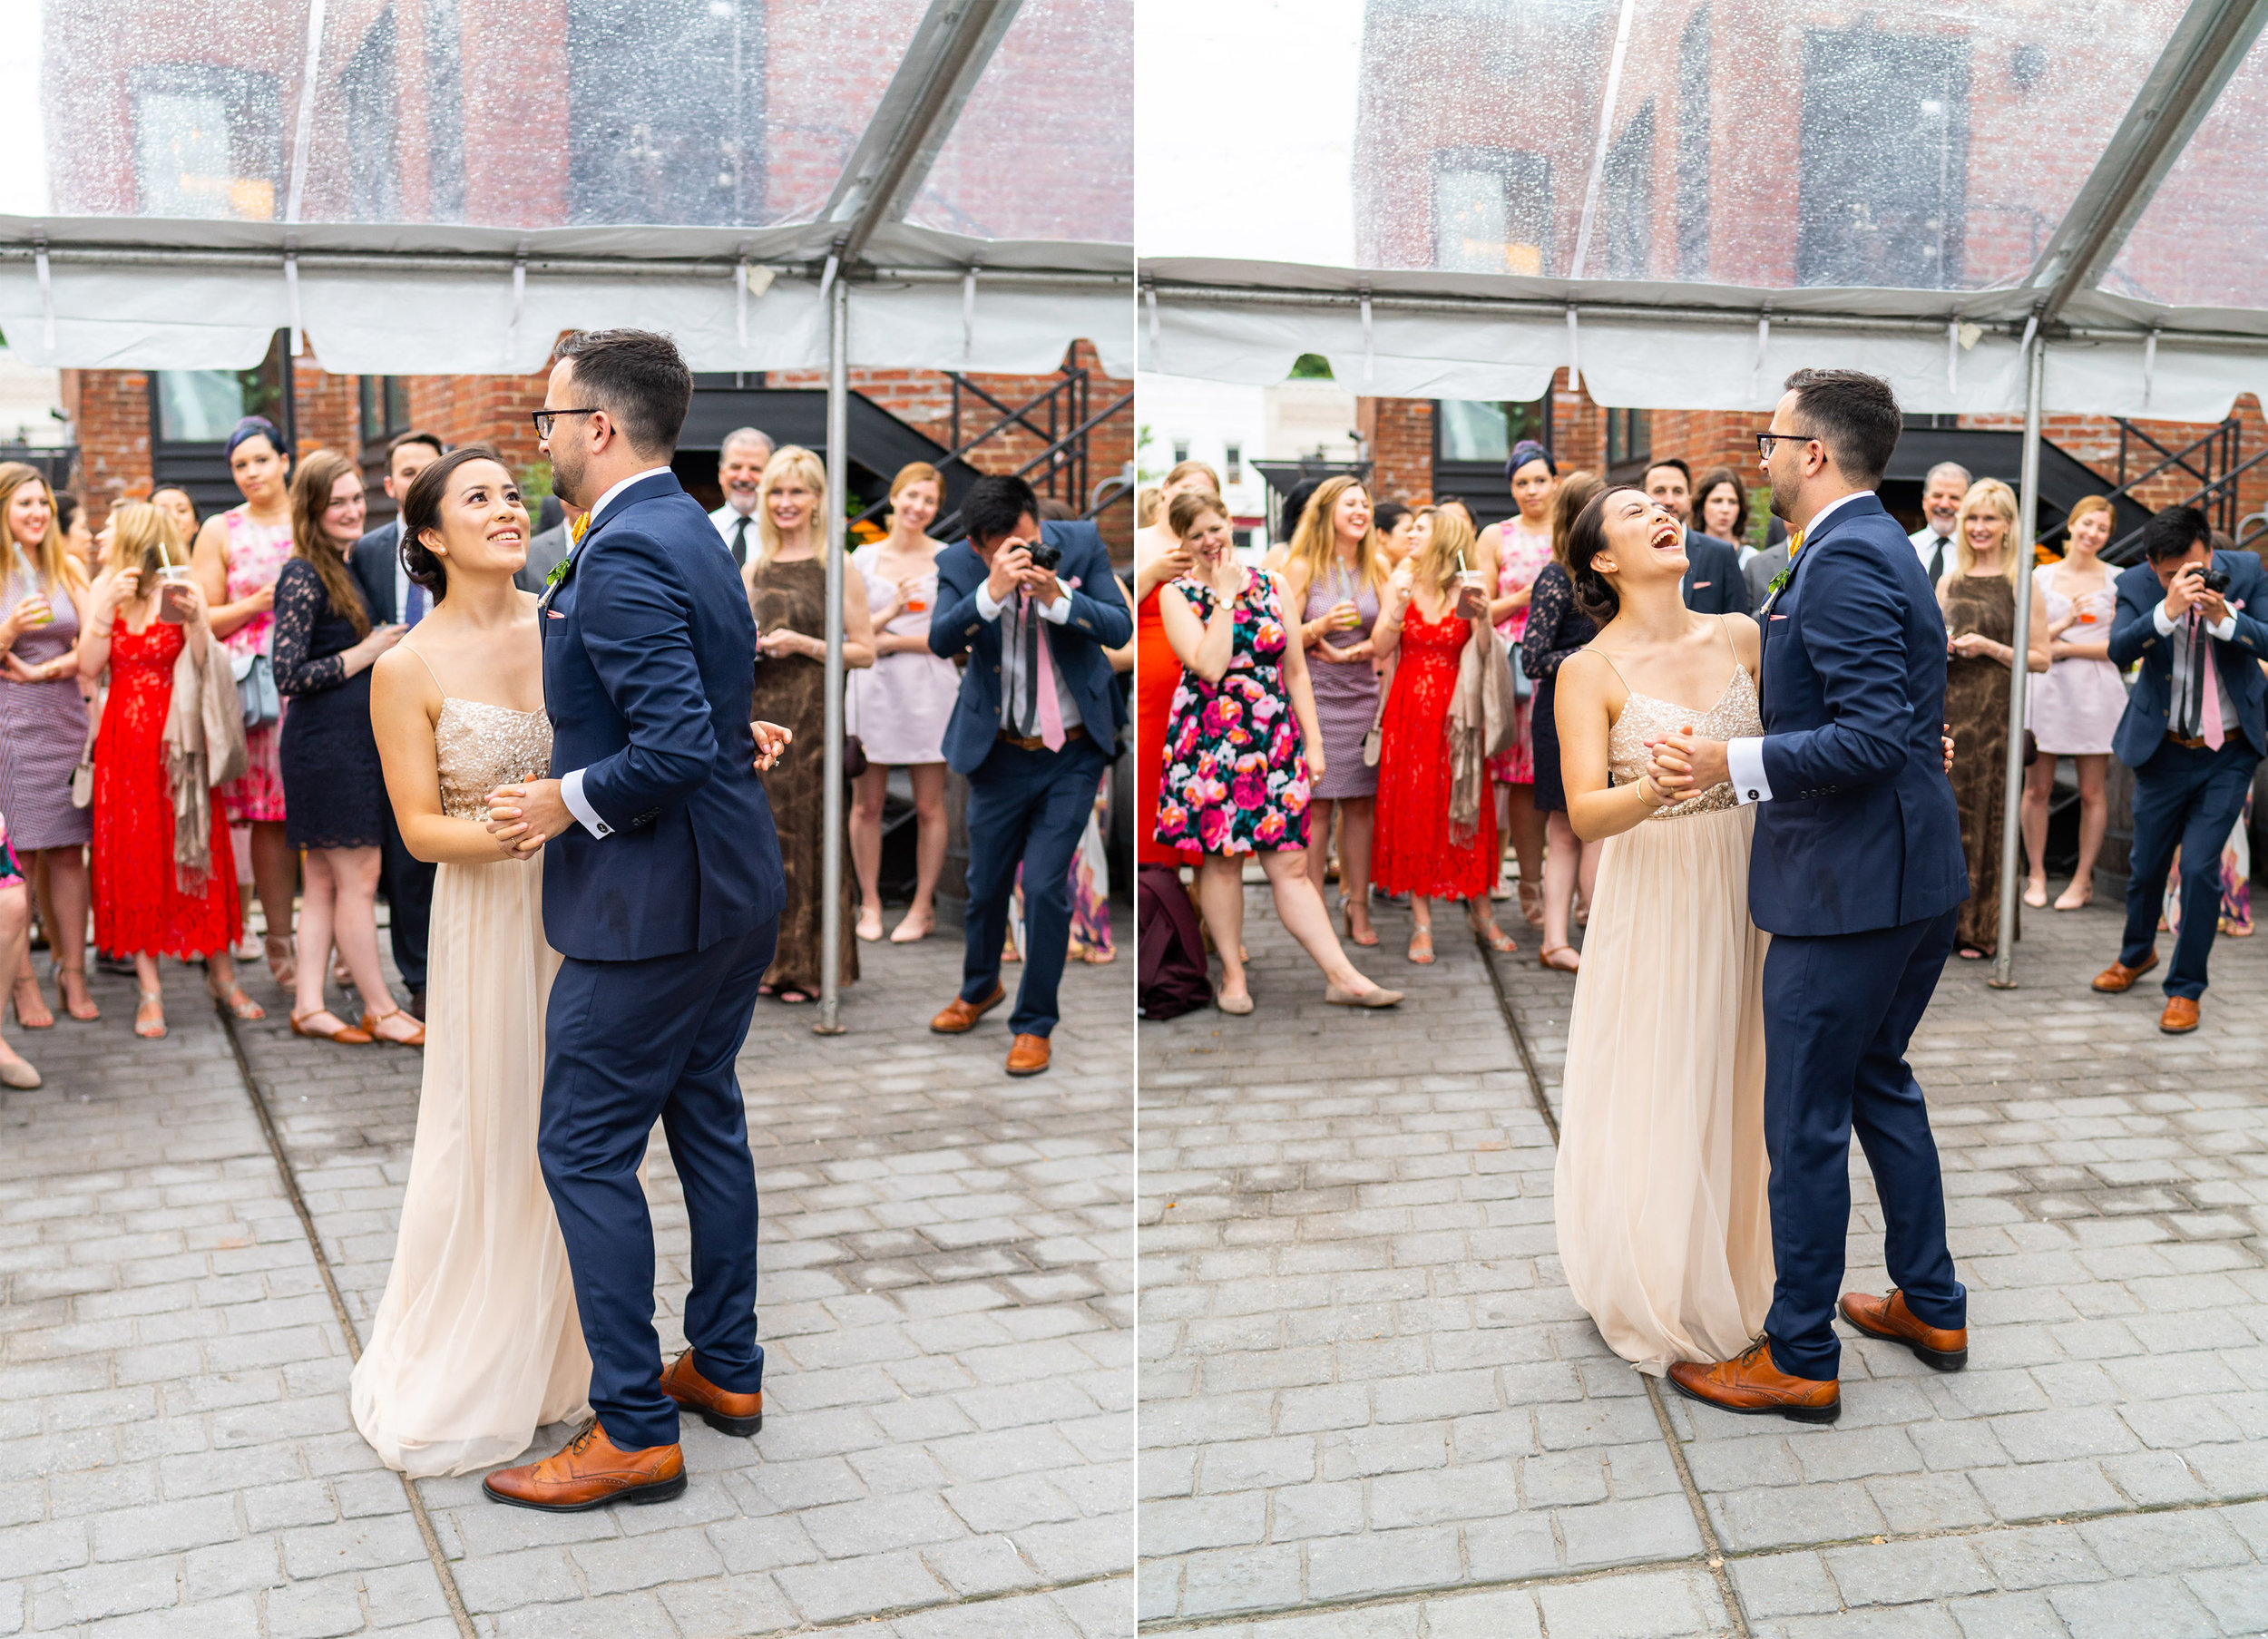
x=1526, y=450
x=253, y=426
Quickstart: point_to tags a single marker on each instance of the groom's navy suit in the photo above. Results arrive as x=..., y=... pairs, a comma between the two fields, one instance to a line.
x=666, y=922
x=1857, y=874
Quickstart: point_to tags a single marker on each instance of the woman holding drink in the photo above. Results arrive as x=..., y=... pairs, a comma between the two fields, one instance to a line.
x=2075, y=707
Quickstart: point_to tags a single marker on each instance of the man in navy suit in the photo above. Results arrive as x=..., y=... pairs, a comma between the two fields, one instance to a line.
x=1856, y=873
x=2195, y=729
x=663, y=894
x=1036, y=723
x=1713, y=584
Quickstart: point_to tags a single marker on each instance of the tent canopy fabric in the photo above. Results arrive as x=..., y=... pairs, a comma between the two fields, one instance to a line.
x=1683, y=200
x=681, y=164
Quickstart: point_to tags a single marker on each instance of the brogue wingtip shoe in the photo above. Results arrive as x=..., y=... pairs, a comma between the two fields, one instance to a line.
x=1888, y=1318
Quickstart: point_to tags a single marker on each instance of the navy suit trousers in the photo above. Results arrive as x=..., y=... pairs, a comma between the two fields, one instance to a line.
x=626, y=1042
x=1838, y=1011
x=2188, y=799
x=1027, y=808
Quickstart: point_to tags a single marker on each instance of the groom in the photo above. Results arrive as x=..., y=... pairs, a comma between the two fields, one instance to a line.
x=663, y=893
x=1857, y=875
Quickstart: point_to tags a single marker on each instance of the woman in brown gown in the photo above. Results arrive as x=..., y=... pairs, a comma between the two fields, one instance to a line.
x=1978, y=598
x=786, y=582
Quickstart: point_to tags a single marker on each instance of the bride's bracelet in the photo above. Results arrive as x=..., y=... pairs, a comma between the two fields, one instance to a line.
x=1645, y=780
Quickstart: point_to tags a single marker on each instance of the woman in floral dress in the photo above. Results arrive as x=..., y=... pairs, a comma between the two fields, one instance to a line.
x=1241, y=747
x=238, y=554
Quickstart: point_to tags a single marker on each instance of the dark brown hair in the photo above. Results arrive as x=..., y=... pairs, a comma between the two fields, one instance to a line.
x=1586, y=538
x=310, y=498
x=1855, y=415
x=638, y=377
x=421, y=510
x=1576, y=491
x=1717, y=475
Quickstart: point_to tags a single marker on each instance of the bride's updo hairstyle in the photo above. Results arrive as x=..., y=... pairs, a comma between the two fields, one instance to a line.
x=1595, y=595
x=421, y=514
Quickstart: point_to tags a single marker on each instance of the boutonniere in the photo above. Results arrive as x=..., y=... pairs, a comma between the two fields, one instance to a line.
x=1771, y=586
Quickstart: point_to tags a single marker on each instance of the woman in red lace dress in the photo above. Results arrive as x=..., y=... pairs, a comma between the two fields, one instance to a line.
x=139, y=906
x=1415, y=852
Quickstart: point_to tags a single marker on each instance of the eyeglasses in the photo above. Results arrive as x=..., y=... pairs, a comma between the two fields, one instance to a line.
x=544, y=419
x=1764, y=441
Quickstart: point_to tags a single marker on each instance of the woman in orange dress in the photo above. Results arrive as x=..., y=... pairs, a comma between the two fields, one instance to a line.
x=1160, y=557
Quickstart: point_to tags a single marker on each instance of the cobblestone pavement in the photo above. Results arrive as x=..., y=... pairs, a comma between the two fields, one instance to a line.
x=1371, y=1410
x=945, y=1310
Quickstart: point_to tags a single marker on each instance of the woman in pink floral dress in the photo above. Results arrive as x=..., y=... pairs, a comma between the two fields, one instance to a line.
x=240, y=553
x=1241, y=745
x=1522, y=544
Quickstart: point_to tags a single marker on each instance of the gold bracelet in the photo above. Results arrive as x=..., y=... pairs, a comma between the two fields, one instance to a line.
x=1642, y=782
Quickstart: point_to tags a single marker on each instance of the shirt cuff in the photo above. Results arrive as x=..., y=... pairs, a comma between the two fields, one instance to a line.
x=987, y=606
x=2226, y=631
x=1059, y=611
x=2158, y=619
x=1744, y=757
x=578, y=804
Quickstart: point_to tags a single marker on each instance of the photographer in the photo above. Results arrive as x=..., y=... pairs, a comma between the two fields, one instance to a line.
x=2195, y=729
x=1036, y=722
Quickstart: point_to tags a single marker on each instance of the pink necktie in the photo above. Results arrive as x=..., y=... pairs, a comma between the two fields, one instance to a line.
x=1052, y=709
x=2200, y=657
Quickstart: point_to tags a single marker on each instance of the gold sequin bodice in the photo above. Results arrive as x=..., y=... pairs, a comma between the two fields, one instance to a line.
x=1733, y=717
x=478, y=747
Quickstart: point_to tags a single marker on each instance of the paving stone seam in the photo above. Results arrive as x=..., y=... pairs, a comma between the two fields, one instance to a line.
x=457, y=1611
x=959, y=1602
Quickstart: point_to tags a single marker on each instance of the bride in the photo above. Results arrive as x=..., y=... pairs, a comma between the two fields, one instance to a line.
x=477, y=1341
x=1664, y=1223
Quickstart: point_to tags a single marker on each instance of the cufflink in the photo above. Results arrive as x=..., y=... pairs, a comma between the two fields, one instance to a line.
x=1754, y=796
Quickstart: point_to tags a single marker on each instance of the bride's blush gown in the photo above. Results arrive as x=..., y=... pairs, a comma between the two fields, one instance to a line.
x=1664, y=1226
x=477, y=1341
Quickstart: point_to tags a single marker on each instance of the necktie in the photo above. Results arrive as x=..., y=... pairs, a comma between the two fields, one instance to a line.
x=1041, y=680
x=2208, y=685
x=413, y=606
x=1937, y=563
x=740, y=542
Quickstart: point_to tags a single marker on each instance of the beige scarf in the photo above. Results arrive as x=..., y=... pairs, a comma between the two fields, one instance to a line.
x=204, y=747
x=1482, y=723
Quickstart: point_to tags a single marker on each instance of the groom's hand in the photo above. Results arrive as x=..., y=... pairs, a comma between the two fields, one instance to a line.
x=525, y=817
x=1686, y=764
x=771, y=740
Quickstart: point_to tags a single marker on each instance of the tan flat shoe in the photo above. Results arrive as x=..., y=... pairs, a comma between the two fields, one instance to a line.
x=416, y=1038
x=17, y=1073
x=346, y=1035
x=1544, y=959
x=1377, y=996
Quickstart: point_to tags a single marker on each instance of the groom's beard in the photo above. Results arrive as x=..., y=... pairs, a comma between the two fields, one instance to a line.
x=567, y=479
x=1783, y=503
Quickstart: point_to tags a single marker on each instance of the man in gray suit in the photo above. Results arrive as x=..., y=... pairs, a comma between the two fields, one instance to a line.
x=1761, y=568
x=544, y=552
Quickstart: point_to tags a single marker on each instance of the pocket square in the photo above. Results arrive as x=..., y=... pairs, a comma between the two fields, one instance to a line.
x=555, y=614
x=1779, y=617
x=1697, y=585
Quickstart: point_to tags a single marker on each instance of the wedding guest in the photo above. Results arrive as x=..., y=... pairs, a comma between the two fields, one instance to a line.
x=1157, y=671
x=43, y=609
x=1720, y=510
x=901, y=704
x=1296, y=499
x=1557, y=628
x=1977, y=596
x=1713, y=584
x=740, y=466
x=151, y=897
x=175, y=503
x=1394, y=522
x=394, y=597
x=1431, y=605
x=785, y=579
x=1147, y=505
x=333, y=787
x=2075, y=710
x=238, y=556
x=1188, y=477
x=78, y=535
x=1333, y=578
x=1942, y=492
x=16, y=932
x=1243, y=741
x=2193, y=733
x=1521, y=546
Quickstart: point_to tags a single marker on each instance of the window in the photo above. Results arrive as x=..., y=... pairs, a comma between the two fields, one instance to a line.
x=1629, y=184
x=1491, y=210
x=385, y=407
x=368, y=81
x=203, y=406
x=1180, y=450
x=1884, y=160
x=208, y=143
x=661, y=95
x=1628, y=436
x=1233, y=464
x=1693, y=148
x=1486, y=429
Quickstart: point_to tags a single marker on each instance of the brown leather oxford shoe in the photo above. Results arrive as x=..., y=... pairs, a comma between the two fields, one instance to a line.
x=590, y=1472
x=961, y=1015
x=2118, y=976
x=720, y=1409
x=1888, y=1318
x=1028, y=1056
x=1750, y=1385
x=2180, y=1017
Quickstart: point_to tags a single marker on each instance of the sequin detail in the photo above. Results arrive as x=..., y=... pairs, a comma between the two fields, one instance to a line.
x=1734, y=716
x=478, y=747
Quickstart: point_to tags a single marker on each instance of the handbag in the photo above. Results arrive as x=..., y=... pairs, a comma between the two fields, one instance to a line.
x=1523, y=687
x=256, y=687
x=1374, y=739
x=83, y=776
x=854, y=756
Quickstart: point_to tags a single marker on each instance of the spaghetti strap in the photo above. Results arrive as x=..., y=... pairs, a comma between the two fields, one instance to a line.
x=430, y=672
x=1602, y=654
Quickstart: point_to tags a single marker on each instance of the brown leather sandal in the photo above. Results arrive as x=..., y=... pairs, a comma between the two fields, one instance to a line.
x=346, y=1035
x=370, y=1028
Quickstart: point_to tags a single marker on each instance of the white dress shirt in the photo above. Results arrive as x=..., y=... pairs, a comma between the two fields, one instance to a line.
x=1744, y=757
x=727, y=518
x=570, y=783
x=1012, y=658
x=1927, y=543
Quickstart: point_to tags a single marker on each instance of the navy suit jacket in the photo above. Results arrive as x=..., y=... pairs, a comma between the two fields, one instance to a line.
x=648, y=660
x=1862, y=832
x=1713, y=584
x=373, y=560
x=1100, y=620
x=2133, y=636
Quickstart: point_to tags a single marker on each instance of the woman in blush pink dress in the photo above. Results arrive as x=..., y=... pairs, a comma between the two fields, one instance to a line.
x=1522, y=545
x=240, y=553
x=2074, y=709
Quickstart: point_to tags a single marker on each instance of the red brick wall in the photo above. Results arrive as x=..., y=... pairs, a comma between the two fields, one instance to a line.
x=109, y=412
x=1399, y=435
x=325, y=409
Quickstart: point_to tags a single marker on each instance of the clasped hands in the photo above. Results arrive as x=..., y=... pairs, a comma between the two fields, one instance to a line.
x=1683, y=764
x=522, y=817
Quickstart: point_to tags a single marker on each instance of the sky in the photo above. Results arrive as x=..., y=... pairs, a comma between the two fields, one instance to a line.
x=23, y=180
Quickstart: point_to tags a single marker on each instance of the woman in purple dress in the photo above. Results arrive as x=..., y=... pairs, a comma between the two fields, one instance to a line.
x=44, y=732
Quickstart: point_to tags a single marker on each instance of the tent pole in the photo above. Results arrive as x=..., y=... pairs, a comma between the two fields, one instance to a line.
x=2027, y=531
x=831, y=749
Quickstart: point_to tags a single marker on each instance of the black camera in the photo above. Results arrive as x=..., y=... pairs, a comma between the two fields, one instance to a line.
x=2213, y=580
x=1047, y=556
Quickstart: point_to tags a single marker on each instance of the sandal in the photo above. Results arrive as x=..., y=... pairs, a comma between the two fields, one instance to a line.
x=345, y=1034
x=868, y=927
x=150, y=1002
x=232, y=1000
x=83, y=1008
x=913, y=928
x=1367, y=937
x=1421, y=947
x=370, y=1022
x=1532, y=902
x=1573, y=963
x=2076, y=897
x=38, y=1018
x=283, y=960
x=793, y=997
x=1970, y=954
x=1496, y=938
